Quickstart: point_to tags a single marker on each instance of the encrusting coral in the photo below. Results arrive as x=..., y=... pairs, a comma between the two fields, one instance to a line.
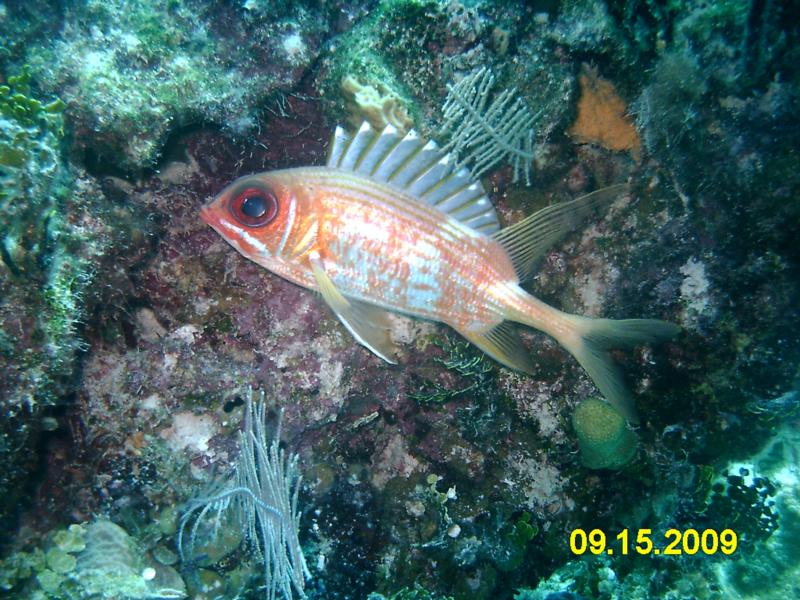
x=603, y=436
x=376, y=104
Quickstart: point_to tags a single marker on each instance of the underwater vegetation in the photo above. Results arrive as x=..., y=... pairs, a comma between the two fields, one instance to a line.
x=263, y=495
x=130, y=73
x=44, y=271
x=130, y=334
x=94, y=560
x=482, y=136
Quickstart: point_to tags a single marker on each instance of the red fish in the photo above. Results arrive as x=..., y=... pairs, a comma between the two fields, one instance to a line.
x=390, y=224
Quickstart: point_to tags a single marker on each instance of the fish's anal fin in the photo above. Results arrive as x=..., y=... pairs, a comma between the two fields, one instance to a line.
x=527, y=241
x=502, y=343
x=369, y=324
x=417, y=168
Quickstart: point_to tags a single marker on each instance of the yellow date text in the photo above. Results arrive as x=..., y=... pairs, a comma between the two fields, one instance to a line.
x=673, y=542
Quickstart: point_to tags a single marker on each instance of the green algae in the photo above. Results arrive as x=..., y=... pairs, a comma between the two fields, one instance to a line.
x=30, y=171
x=72, y=539
x=43, y=279
x=132, y=73
x=98, y=560
x=59, y=561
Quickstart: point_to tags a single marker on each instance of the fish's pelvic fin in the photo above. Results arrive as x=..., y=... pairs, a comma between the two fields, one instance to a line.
x=369, y=324
x=591, y=338
x=502, y=343
x=527, y=241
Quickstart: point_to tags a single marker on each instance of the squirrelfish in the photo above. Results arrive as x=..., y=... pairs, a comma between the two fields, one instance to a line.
x=392, y=224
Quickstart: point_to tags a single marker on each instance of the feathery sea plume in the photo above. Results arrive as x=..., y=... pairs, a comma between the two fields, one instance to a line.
x=263, y=494
x=483, y=136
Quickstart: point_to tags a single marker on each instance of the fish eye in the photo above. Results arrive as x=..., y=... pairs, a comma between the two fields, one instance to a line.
x=254, y=207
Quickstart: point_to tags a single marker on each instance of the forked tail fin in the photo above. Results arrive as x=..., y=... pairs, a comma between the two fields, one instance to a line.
x=589, y=339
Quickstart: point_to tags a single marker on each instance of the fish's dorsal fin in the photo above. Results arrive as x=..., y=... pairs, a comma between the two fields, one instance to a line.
x=527, y=241
x=417, y=168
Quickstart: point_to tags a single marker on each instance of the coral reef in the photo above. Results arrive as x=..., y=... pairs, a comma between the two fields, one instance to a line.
x=744, y=498
x=603, y=436
x=33, y=176
x=131, y=74
x=375, y=104
x=131, y=333
x=98, y=560
x=45, y=254
x=378, y=52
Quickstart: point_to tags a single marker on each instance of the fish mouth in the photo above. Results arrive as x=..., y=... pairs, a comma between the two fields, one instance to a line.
x=205, y=214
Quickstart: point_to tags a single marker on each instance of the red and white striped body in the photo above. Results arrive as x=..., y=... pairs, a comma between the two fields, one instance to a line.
x=377, y=245
x=390, y=224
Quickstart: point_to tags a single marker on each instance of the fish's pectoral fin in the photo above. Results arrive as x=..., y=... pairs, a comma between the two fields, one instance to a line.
x=369, y=324
x=527, y=241
x=502, y=343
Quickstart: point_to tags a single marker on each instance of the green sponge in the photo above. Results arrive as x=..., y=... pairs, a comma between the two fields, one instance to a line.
x=603, y=436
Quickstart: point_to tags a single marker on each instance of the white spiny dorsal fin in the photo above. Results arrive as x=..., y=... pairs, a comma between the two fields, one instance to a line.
x=384, y=144
x=417, y=168
x=358, y=147
x=339, y=142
